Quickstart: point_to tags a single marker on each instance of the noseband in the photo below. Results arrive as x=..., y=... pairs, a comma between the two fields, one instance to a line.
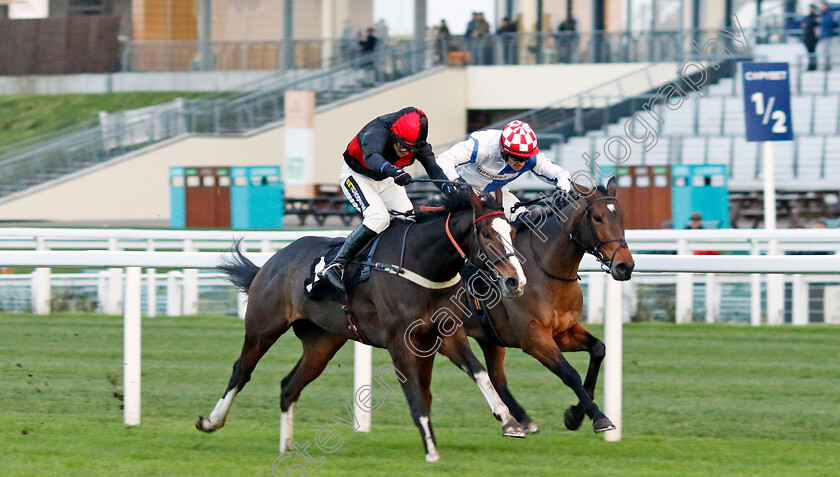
x=595, y=249
x=463, y=255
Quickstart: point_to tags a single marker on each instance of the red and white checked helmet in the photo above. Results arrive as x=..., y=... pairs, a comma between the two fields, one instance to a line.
x=519, y=139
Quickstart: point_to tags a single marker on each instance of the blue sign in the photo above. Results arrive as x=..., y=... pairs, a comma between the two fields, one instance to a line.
x=767, y=101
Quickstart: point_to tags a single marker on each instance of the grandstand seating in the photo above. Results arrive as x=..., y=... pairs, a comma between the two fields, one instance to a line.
x=711, y=130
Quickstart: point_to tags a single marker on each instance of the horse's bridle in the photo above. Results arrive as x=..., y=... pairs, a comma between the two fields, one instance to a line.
x=474, y=234
x=594, y=249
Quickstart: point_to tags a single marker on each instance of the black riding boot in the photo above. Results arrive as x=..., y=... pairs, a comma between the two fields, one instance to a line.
x=355, y=242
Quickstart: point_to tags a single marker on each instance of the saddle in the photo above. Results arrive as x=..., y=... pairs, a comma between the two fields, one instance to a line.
x=315, y=288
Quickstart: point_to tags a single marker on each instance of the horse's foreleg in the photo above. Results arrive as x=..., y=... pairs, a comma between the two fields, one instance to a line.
x=494, y=356
x=407, y=365
x=578, y=338
x=254, y=347
x=539, y=343
x=319, y=347
x=457, y=349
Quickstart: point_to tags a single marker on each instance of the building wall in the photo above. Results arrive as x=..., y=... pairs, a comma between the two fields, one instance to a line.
x=540, y=85
x=263, y=19
x=165, y=20
x=137, y=189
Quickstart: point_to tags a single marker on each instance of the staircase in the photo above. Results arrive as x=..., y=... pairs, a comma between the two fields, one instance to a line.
x=239, y=111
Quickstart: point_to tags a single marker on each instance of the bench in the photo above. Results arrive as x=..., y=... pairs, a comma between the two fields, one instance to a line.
x=320, y=208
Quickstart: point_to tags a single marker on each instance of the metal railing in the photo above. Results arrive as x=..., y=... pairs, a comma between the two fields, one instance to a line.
x=492, y=49
x=801, y=165
x=251, y=106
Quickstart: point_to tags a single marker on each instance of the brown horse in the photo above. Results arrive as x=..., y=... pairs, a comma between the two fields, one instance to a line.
x=391, y=312
x=543, y=322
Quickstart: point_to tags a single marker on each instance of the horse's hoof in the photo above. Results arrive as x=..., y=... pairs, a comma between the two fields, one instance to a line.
x=432, y=457
x=603, y=425
x=531, y=428
x=202, y=424
x=513, y=430
x=573, y=419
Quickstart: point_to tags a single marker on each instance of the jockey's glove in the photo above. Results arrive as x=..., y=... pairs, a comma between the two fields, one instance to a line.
x=564, y=181
x=401, y=178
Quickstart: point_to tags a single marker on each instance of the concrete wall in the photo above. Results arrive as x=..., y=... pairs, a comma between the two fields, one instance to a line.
x=136, y=189
x=536, y=86
x=126, y=82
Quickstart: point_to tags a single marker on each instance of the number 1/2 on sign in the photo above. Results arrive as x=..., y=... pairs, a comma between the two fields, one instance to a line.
x=780, y=118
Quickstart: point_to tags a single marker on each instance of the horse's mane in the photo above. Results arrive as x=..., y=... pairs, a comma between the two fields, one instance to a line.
x=439, y=208
x=561, y=200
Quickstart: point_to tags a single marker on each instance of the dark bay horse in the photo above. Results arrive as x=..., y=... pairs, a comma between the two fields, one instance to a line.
x=386, y=307
x=543, y=322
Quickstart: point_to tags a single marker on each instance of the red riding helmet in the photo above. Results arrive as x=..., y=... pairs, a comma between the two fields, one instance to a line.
x=411, y=130
x=518, y=139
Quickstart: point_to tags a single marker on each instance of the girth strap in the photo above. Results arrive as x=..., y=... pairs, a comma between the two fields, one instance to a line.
x=482, y=314
x=413, y=277
x=352, y=323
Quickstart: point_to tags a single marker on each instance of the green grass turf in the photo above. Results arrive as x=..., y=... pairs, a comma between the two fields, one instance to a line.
x=699, y=400
x=28, y=116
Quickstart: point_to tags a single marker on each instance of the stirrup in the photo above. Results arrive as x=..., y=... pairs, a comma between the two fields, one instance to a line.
x=336, y=278
x=323, y=271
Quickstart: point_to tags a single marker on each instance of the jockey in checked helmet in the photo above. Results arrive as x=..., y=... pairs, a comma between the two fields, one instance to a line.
x=373, y=179
x=490, y=159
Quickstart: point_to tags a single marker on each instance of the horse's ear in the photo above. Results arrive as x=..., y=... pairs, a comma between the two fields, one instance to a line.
x=475, y=200
x=612, y=186
x=499, y=196
x=581, y=190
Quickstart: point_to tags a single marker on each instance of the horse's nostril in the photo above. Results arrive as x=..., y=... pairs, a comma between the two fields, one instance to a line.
x=623, y=270
x=512, y=283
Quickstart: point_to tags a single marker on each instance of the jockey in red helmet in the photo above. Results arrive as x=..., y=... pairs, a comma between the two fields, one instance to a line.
x=373, y=178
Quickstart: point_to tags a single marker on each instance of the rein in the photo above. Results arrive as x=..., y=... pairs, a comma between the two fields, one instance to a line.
x=594, y=249
x=418, y=279
x=475, y=233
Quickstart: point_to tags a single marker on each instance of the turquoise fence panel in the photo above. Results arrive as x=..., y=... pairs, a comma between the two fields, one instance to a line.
x=700, y=188
x=256, y=197
x=177, y=198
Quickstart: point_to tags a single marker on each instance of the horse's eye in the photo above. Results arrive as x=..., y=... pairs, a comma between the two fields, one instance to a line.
x=485, y=234
x=597, y=218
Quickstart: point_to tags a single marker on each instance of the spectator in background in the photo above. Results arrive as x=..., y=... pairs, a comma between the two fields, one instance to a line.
x=476, y=34
x=367, y=45
x=508, y=37
x=443, y=40
x=820, y=224
x=809, y=36
x=566, y=40
x=696, y=221
x=827, y=33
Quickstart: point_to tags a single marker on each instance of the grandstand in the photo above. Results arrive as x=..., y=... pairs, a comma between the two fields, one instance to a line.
x=245, y=124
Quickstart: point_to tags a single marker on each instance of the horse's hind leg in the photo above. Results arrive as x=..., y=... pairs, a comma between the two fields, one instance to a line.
x=539, y=343
x=578, y=338
x=457, y=349
x=419, y=399
x=257, y=342
x=494, y=356
x=319, y=347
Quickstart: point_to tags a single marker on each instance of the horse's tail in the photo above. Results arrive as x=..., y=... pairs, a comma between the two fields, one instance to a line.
x=239, y=269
